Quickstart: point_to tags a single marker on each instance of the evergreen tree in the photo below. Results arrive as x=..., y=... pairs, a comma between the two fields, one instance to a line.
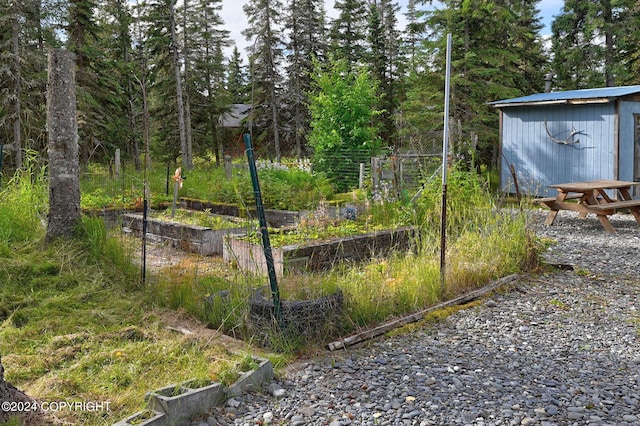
x=588, y=40
x=630, y=43
x=304, y=21
x=207, y=75
x=414, y=32
x=385, y=59
x=349, y=32
x=265, y=60
x=122, y=103
x=237, y=79
x=24, y=38
x=158, y=51
x=491, y=60
x=11, y=76
x=83, y=39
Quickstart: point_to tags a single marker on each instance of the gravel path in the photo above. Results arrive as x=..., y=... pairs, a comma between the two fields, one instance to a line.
x=557, y=349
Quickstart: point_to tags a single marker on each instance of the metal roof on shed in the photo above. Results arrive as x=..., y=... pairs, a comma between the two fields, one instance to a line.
x=602, y=94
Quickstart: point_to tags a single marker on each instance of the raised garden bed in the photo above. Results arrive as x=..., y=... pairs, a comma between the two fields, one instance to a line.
x=275, y=218
x=317, y=255
x=196, y=238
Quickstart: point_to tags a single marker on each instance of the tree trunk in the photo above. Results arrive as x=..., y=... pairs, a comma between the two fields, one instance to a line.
x=64, y=171
x=187, y=100
x=186, y=161
x=10, y=394
x=17, y=129
x=5, y=393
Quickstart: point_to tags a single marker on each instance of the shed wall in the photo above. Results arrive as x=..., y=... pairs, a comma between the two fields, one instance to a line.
x=539, y=161
x=627, y=137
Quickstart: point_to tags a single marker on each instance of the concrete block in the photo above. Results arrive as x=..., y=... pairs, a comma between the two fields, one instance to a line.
x=178, y=404
x=251, y=380
x=145, y=418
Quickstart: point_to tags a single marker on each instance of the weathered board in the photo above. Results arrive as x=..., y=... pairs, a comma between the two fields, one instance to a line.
x=198, y=239
x=318, y=255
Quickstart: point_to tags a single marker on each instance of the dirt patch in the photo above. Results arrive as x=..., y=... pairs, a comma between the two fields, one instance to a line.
x=163, y=257
x=181, y=322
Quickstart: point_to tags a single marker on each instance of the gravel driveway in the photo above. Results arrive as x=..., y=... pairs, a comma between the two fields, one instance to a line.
x=556, y=349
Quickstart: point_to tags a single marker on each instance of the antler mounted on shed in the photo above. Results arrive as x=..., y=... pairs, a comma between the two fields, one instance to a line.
x=566, y=141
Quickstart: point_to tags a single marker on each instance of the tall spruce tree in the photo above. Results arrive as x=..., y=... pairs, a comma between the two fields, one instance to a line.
x=304, y=21
x=237, y=79
x=413, y=33
x=122, y=101
x=206, y=80
x=488, y=64
x=159, y=63
x=83, y=39
x=630, y=43
x=26, y=30
x=11, y=23
x=587, y=43
x=349, y=32
x=384, y=62
x=265, y=58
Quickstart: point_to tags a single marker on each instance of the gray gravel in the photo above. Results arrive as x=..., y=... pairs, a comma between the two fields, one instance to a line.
x=557, y=349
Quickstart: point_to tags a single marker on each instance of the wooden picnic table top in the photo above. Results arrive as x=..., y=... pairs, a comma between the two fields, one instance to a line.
x=594, y=199
x=592, y=185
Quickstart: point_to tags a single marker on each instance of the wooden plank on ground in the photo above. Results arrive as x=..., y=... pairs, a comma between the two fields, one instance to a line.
x=417, y=316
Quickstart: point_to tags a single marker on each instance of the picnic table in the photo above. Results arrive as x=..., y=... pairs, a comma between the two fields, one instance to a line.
x=592, y=197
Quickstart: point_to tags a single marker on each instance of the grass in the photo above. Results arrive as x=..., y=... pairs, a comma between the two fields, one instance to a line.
x=205, y=219
x=75, y=323
x=315, y=232
x=292, y=188
x=483, y=243
x=77, y=329
x=76, y=326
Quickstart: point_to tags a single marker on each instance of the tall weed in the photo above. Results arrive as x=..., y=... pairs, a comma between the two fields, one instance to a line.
x=105, y=249
x=23, y=204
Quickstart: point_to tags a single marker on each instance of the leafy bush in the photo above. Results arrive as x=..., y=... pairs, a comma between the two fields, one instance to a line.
x=341, y=122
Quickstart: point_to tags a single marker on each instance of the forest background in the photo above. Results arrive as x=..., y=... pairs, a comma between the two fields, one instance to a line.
x=155, y=71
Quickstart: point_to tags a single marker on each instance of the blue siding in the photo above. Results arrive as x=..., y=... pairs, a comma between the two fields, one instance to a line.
x=627, y=110
x=539, y=161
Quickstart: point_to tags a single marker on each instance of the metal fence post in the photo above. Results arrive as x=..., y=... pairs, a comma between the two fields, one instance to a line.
x=266, y=245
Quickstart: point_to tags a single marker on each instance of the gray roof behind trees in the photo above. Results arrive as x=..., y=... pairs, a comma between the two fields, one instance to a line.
x=236, y=115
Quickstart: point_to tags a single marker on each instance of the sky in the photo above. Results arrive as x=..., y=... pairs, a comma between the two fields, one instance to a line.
x=235, y=20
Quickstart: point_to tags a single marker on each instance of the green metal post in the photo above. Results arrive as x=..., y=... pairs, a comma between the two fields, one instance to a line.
x=266, y=245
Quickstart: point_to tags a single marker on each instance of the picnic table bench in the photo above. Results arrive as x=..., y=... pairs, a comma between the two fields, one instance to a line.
x=592, y=197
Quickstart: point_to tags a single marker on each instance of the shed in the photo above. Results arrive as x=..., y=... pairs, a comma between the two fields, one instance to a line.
x=569, y=136
x=236, y=116
x=233, y=124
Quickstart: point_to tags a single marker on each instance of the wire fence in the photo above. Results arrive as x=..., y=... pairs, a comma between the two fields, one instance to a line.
x=177, y=260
